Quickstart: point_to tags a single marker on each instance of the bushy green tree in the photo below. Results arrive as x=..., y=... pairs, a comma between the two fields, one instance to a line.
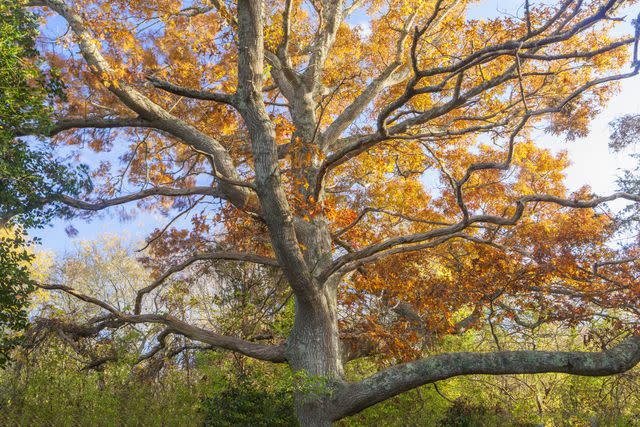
x=24, y=88
x=15, y=285
x=30, y=176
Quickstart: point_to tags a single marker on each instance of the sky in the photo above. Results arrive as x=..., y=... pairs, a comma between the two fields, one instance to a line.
x=593, y=163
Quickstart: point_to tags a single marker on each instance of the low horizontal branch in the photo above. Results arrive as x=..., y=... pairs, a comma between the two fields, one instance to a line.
x=271, y=353
x=398, y=379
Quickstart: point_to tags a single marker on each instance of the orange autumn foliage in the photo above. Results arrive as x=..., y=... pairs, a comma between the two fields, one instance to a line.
x=404, y=185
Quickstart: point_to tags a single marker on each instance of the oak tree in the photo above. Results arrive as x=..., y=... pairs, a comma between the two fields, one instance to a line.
x=381, y=156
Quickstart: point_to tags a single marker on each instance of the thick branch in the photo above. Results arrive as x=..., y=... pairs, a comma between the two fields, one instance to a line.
x=322, y=43
x=275, y=206
x=398, y=379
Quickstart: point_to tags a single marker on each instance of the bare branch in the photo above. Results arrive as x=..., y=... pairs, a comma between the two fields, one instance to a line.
x=272, y=353
x=208, y=256
x=203, y=95
x=149, y=192
x=88, y=123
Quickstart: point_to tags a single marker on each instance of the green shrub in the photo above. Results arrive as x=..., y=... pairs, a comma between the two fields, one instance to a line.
x=249, y=403
x=463, y=413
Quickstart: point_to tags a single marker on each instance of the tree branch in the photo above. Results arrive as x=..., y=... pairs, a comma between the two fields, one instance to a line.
x=203, y=95
x=398, y=379
x=525, y=49
x=88, y=122
x=150, y=192
x=275, y=206
x=438, y=236
x=271, y=353
x=322, y=43
x=149, y=110
x=220, y=255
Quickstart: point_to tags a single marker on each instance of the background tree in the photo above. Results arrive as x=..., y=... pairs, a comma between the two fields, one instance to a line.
x=28, y=174
x=393, y=178
x=108, y=375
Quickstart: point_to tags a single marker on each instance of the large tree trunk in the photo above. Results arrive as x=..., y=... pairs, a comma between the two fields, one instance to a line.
x=308, y=418
x=314, y=354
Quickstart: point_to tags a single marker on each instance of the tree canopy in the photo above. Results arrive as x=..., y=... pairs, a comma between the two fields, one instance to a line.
x=381, y=159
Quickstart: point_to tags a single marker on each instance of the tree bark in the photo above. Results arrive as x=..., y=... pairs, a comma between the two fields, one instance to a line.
x=390, y=382
x=314, y=353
